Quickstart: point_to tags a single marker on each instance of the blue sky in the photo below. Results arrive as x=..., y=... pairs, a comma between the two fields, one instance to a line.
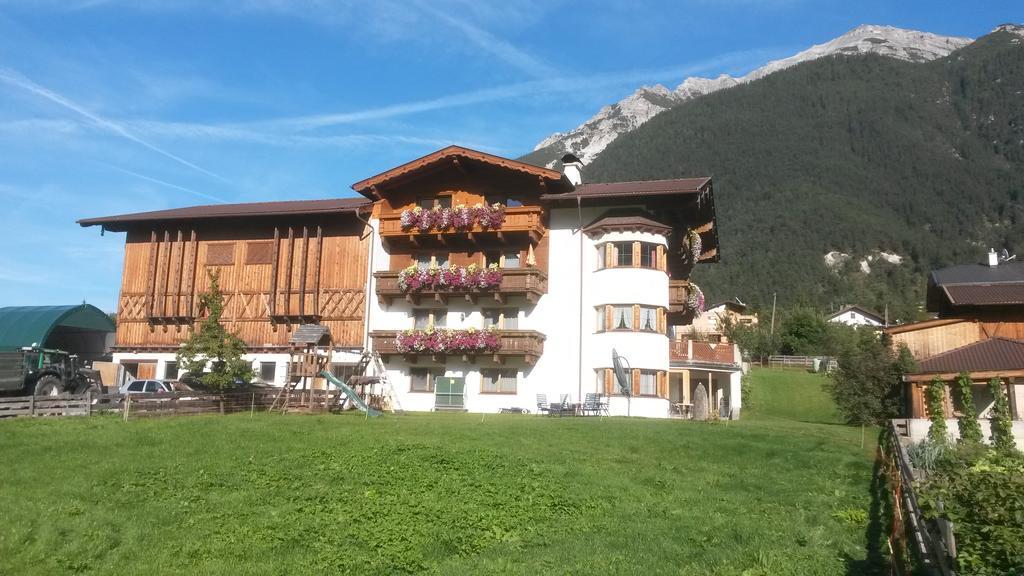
x=109, y=107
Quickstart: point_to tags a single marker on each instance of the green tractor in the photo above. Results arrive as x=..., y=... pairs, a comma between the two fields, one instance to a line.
x=43, y=372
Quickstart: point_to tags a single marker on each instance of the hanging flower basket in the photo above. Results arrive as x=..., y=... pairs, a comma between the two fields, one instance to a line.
x=448, y=341
x=693, y=246
x=695, y=299
x=460, y=218
x=454, y=278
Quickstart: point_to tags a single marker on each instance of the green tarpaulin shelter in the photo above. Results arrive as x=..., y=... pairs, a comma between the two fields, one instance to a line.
x=79, y=329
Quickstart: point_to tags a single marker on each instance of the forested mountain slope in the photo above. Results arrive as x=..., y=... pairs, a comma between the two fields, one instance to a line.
x=850, y=155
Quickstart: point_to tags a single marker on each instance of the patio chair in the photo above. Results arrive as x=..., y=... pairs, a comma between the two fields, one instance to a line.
x=564, y=407
x=590, y=405
x=542, y=404
x=602, y=405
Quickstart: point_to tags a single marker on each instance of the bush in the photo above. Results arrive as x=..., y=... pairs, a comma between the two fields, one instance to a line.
x=934, y=400
x=1002, y=425
x=970, y=428
x=984, y=500
x=868, y=383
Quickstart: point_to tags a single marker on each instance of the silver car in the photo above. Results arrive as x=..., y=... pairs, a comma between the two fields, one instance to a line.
x=153, y=387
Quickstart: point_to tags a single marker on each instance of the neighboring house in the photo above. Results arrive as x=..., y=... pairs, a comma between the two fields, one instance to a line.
x=710, y=323
x=857, y=316
x=573, y=271
x=715, y=367
x=979, y=330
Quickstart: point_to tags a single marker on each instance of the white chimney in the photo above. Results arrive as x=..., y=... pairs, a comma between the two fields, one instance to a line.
x=993, y=258
x=572, y=167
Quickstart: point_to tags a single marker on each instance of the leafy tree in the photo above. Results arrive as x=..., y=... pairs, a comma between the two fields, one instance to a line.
x=755, y=341
x=867, y=386
x=803, y=332
x=934, y=400
x=970, y=428
x=212, y=355
x=1002, y=425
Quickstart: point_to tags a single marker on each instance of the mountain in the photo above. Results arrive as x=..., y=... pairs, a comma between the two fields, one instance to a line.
x=847, y=179
x=588, y=140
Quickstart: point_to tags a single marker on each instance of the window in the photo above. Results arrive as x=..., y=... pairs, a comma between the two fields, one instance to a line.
x=648, y=383
x=498, y=381
x=152, y=387
x=503, y=260
x=424, y=261
x=268, y=371
x=343, y=371
x=220, y=254
x=622, y=318
x=421, y=379
x=137, y=386
x=511, y=260
x=623, y=254
x=648, y=319
x=171, y=371
x=423, y=319
x=601, y=324
x=259, y=252
x=501, y=318
x=504, y=200
x=428, y=202
x=648, y=255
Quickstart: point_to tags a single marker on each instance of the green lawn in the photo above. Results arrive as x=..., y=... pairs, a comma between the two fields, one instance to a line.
x=449, y=494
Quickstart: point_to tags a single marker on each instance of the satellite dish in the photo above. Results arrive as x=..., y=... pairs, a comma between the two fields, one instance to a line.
x=621, y=366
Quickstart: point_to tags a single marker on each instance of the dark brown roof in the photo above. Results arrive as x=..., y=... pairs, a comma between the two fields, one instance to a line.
x=366, y=187
x=626, y=221
x=638, y=188
x=250, y=209
x=992, y=355
x=984, y=294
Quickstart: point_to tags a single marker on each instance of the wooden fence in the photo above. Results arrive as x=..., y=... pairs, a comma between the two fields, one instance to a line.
x=931, y=543
x=803, y=362
x=165, y=404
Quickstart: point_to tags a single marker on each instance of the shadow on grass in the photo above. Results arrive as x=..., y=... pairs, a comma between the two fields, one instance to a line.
x=879, y=521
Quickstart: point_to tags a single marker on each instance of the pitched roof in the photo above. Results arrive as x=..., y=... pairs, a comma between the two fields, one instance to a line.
x=627, y=220
x=863, y=311
x=680, y=186
x=984, y=294
x=366, y=186
x=991, y=355
x=979, y=274
x=249, y=209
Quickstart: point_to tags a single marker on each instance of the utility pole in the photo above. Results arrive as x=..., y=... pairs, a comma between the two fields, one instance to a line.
x=772, y=332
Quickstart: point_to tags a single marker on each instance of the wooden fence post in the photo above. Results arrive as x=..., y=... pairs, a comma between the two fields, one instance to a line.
x=32, y=405
x=88, y=402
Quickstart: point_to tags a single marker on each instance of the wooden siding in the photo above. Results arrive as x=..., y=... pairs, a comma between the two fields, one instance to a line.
x=933, y=340
x=302, y=270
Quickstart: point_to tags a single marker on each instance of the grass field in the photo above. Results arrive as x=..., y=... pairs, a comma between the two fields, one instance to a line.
x=784, y=491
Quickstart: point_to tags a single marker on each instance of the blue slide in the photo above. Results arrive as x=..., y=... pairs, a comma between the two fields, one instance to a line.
x=350, y=393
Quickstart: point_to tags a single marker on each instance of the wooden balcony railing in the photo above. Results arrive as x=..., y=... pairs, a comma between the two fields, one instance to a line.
x=529, y=282
x=678, y=292
x=519, y=221
x=527, y=344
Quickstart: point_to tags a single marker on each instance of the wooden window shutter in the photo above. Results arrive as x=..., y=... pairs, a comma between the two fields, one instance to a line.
x=609, y=382
x=636, y=254
x=662, y=328
x=636, y=381
x=220, y=254
x=636, y=317
x=609, y=317
x=661, y=257
x=662, y=384
x=259, y=252
x=609, y=255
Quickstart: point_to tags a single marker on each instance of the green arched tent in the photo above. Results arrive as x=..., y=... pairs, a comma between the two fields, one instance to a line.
x=80, y=329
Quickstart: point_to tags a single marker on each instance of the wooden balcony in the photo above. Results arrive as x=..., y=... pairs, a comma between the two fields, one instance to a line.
x=525, y=344
x=678, y=292
x=521, y=223
x=532, y=283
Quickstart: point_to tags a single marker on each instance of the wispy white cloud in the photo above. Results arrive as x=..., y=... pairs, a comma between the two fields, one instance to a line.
x=492, y=44
x=19, y=80
x=210, y=197
x=516, y=90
